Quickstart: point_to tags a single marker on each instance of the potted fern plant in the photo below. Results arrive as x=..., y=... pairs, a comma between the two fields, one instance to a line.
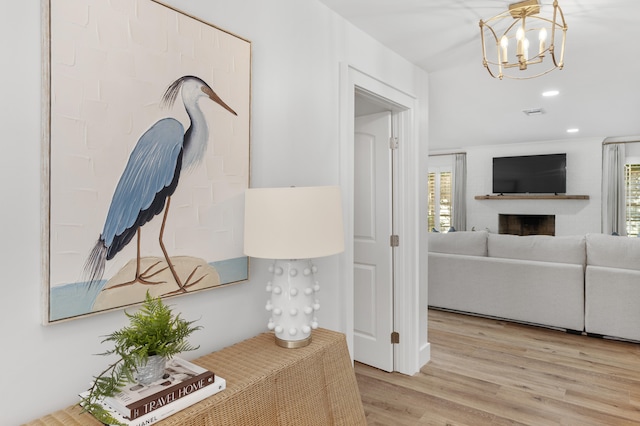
x=154, y=334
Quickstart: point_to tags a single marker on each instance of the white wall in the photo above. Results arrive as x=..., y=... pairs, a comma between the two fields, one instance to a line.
x=632, y=152
x=297, y=48
x=584, y=177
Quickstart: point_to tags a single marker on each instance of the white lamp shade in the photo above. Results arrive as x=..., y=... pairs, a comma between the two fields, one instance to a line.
x=293, y=223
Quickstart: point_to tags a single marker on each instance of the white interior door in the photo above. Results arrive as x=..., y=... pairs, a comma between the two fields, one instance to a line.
x=373, y=269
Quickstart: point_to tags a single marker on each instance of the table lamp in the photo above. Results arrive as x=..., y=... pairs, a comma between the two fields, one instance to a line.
x=292, y=226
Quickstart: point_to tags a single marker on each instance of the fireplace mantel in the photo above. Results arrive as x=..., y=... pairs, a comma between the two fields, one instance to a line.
x=531, y=197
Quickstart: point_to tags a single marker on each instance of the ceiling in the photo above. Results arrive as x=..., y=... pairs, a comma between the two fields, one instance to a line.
x=599, y=85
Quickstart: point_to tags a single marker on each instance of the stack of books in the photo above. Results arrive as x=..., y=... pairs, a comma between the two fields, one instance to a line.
x=182, y=385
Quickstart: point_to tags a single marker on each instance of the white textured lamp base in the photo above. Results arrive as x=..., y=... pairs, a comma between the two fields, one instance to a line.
x=293, y=302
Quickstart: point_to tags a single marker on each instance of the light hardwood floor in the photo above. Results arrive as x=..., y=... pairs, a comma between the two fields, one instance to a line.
x=492, y=372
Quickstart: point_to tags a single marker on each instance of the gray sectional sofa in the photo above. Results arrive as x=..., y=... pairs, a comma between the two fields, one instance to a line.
x=579, y=283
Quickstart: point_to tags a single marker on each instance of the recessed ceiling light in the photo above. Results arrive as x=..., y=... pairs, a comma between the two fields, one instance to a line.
x=549, y=93
x=574, y=130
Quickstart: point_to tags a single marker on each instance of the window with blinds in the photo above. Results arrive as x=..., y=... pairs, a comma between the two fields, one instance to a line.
x=632, y=185
x=439, y=198
x=431, y=197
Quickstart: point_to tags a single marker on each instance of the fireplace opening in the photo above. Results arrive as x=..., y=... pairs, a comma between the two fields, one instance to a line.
x=527, y=224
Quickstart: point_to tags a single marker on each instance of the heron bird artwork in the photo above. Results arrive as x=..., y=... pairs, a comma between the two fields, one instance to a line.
x=144, y=191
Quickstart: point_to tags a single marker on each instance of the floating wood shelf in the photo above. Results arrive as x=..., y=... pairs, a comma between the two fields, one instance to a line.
x=531, y=197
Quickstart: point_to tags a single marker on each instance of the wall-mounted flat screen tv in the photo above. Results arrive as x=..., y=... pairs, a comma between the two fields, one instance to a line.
x=530, y=174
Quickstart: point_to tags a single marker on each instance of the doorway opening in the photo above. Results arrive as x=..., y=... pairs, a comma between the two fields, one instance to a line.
x=410, y=319
x=375, y=228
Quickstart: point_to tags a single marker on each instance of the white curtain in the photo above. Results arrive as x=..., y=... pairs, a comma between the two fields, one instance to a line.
x=613, y=189
x=459, y=204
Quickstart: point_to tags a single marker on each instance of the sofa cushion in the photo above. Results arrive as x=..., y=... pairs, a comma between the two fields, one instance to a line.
x=543, y=248
x=613, y=252
x=469, y=243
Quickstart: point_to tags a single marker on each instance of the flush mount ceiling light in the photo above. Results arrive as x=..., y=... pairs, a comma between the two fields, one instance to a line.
x=506, y=49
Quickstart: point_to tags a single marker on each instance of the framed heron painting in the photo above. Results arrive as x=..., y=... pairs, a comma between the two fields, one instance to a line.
x=145, y=155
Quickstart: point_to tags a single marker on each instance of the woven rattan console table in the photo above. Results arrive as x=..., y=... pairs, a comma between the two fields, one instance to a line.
x=266, y=385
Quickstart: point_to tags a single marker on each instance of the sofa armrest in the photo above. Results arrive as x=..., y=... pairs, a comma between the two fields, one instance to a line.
x=612, y=302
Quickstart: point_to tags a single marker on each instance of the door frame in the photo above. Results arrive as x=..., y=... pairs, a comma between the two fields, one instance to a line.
x=407, y=356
